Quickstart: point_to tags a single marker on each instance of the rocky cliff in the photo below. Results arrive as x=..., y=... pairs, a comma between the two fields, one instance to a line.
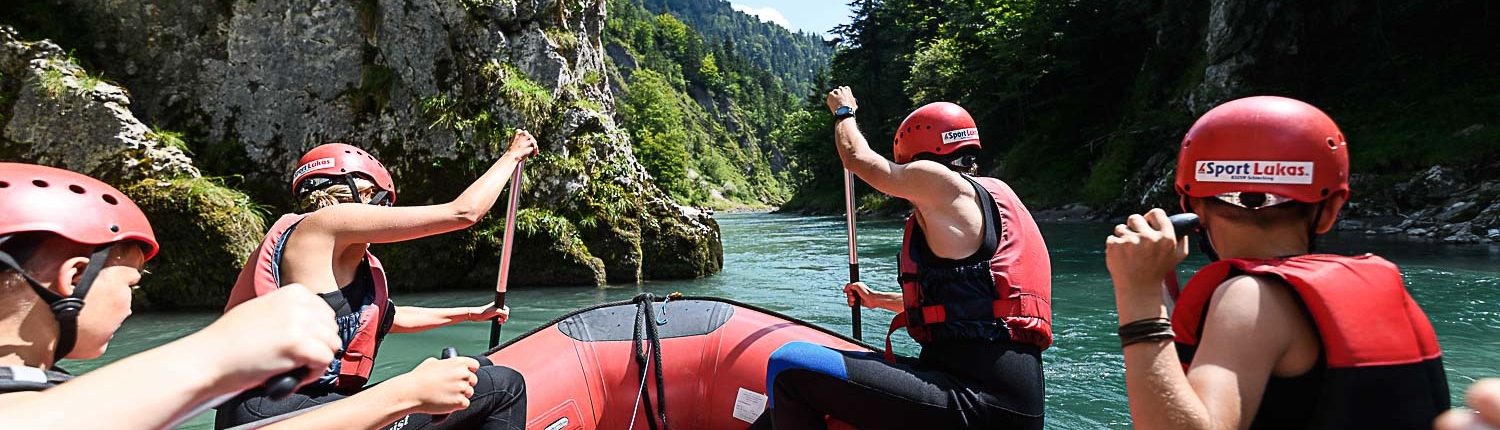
x=432, y=88
x=1406, y=82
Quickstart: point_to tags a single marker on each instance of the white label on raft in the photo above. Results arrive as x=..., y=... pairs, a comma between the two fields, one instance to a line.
x=560, y=424
x=321, y=163
x=960, y=135
x=748, y=405
x=1259, y=172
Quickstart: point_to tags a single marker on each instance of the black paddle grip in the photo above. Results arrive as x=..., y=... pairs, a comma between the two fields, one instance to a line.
x=1184, y=223
x=283, y=385
x=448, y=352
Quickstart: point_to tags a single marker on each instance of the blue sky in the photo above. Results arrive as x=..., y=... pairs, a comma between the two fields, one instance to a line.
x=814, y=16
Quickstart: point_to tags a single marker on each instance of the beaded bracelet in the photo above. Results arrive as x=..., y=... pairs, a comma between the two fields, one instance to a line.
x=1146, y=330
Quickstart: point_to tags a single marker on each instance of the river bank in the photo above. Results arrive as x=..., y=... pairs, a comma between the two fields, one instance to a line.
x=1442, y=204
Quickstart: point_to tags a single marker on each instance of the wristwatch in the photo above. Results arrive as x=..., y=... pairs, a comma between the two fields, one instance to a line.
x=843, y=112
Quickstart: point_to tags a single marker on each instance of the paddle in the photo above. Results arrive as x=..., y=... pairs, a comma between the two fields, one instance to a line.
x=1182, y=224
x=505, y=248
x=853, y=249
x=447, y=353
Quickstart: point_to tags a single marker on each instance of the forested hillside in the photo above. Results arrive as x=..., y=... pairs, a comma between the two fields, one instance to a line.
x=1085, y=101
x=699, y=112
x=796, y=58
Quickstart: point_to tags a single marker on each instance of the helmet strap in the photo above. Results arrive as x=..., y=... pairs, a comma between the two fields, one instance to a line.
x=64, y=309
x=353, y=187
x=1312, y=229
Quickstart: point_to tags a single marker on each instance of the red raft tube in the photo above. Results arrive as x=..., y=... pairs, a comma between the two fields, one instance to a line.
x=706, y=357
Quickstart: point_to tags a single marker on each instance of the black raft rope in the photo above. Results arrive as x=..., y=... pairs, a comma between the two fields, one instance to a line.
x=646, y=317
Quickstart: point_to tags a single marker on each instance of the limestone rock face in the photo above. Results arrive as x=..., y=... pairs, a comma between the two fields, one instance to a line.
x=55, y=113
x=433, y=89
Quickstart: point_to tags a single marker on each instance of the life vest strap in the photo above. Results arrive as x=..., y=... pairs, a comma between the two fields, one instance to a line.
x=896, y=324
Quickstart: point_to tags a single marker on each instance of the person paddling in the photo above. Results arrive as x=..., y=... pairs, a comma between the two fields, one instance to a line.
x=1270, y=335
x=975, y=292
x=346, y=198
x=71, y=251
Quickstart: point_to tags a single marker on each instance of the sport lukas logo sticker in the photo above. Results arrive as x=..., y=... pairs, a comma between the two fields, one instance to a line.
x=321, y=163
x=960, y=135
x=1256, y=172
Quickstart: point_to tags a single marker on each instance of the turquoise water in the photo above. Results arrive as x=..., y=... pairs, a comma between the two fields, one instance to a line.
x=797, y=265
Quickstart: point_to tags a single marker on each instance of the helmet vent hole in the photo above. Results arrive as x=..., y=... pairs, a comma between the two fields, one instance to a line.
x=114, y=229
x=4, y=184
x=929, y=127
x=1325, y=192
x=1187, y=187
x=1187, y=143
x=1332, y=144
x=347, y=152
x=39, y=183
x=343, y=170
x=110, y=199
x=75, y=189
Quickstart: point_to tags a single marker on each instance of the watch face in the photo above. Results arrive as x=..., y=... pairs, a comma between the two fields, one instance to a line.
x=844, y=110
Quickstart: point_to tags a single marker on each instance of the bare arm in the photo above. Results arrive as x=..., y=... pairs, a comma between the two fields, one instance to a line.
x=1251, y=324
x=353, y=224
x=924, y=183
x=291, y=328
x=434, y=387
x=412, y=319
x=874, y=299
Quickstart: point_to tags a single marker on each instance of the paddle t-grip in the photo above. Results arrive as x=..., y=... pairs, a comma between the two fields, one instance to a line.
x=283, y=385
x=448, y=352
x=1182, y=224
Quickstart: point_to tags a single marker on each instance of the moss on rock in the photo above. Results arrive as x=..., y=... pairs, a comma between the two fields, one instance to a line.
x=673, y=248
x=618, y=245
x=206, y=230
x=556, y=255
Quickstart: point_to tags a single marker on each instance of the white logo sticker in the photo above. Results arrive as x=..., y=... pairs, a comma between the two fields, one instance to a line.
x=318, y=164
x=960, y=135
x=1255, y=172
x=748, y=405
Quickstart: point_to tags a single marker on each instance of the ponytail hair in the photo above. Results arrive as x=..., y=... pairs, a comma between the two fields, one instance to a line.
x=335, y=193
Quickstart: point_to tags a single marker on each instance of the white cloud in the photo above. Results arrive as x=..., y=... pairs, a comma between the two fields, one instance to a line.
x=767, y=14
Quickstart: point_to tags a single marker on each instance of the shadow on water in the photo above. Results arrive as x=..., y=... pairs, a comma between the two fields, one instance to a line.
x=797, y=265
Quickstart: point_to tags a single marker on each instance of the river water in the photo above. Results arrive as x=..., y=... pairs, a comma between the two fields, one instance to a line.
x=797, y=265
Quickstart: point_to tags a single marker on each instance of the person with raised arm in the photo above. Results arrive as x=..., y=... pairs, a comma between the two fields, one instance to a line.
x=976, y=286
x=346, y=200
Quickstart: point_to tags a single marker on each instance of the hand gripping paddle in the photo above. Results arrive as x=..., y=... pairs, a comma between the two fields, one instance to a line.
x=447, y=353
x=1182, y=224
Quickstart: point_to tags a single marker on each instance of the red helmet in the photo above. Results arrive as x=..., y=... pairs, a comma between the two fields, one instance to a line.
x=339, y=160
x=45, y=199
x=1272, y=145
x=939, y=128
x=79, y=208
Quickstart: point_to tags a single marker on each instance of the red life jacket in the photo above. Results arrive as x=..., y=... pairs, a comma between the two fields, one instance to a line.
x=1002, y=293
x=1381, y=364
x=262, y=275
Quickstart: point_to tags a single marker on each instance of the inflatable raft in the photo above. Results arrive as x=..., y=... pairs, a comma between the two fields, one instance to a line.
x=688, y=363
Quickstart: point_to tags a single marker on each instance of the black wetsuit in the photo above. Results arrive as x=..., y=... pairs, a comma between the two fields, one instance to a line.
x=976, y=385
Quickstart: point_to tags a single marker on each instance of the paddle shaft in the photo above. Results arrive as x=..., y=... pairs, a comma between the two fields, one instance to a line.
x=505, y=249
x=853, y=247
